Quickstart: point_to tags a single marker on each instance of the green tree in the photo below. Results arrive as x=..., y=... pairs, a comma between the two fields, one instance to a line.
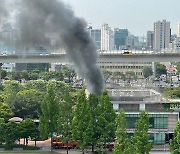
x=24, y=74
x=93, y=102
x=82, y=122
x=28, y=103
x=2, y=131
x=46, y=76
x=3, y=74
x=49, y=115
x=5, y=112
x=11, y=133
x=15, y=75
x=105, y=119
x=160, y=69
x=11, y=88
x=38, y=85
x=66, y=116
x=130, y=75
x=68, y=73
x=175, y=142
x=57, y=75
x=27, y=129
x=35, y=135
x=172, y=92
x=147, y=71
x=141, y=137
x=122, y=144
x=58, y=86
x=33, y=76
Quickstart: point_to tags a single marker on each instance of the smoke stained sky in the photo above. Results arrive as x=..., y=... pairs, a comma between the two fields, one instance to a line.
x=38, y=19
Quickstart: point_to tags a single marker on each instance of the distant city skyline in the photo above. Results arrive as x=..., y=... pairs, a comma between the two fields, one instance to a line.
x=137, y=16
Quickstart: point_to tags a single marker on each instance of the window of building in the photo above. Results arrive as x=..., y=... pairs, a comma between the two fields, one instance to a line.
x=155, y=121
x=159, y=138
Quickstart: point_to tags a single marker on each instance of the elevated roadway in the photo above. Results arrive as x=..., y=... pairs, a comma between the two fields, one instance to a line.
x=139, y=57
x=102, y=58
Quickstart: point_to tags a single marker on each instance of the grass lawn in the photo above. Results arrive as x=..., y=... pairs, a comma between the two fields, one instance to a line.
x=27, y=152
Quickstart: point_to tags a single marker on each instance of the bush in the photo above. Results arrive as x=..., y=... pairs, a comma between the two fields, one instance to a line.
x=31, y=148
x=25, y=147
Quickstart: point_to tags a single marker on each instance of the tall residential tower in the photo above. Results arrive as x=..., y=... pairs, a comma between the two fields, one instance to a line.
x=95, y=34
x=107, y=38
x=162, y=33
x=150, y=40
x=178, y=29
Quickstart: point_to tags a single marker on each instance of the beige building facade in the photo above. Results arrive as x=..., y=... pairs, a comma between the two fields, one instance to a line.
x=162, y=33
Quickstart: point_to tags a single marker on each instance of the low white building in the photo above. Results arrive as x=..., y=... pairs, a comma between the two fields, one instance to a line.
x=9, y=67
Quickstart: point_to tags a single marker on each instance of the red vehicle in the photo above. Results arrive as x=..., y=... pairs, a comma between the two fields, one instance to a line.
x=109, y=144
x=59, y=143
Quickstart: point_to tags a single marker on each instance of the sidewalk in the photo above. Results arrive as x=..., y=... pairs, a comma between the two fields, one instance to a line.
x=73, y=151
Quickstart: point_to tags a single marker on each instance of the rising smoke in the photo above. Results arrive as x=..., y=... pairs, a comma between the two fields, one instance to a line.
x=3, y=11
x=38, y=20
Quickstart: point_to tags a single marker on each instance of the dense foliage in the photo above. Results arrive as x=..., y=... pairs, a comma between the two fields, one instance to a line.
x=172, y=92
x=64, y=73
x=147, y=71
x=175, y=142
x=62, y=109
x=136, y=144
x=160, y=69
x=140, y=138
x=82, y=122
x=123, y=143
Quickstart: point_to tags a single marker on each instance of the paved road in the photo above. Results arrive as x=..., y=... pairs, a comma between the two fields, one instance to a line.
x=79, y=152
x=45, y=145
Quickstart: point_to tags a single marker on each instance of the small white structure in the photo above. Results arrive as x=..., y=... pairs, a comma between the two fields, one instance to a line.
x=16, y=119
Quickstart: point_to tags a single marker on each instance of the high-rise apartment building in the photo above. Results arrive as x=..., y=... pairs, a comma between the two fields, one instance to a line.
x=142, y=42
x=162, y=33
x=95, y=34
x=107, y=38
x=8, y=34
x=132, y=41
x=178, y=29
x=150, y=40
x=120, y=36
x=177, y=44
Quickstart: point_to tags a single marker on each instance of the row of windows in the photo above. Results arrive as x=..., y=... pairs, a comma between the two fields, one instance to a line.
x=122, y=67
x=150, y=115
x=155, y=121
x=156, y=138
x=142, y=63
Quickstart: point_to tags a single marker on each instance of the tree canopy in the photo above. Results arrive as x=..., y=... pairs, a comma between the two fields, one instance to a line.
x=147, y=71
x=28, y=103
x=160, y=69
x=82, y=124
x=48, y=117
x=105, y=118
x=5, y=112
x=123, y=143
x=140, y=138
x=175, y=142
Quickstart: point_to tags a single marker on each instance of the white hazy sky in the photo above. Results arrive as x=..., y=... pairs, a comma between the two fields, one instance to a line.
x=136, y=15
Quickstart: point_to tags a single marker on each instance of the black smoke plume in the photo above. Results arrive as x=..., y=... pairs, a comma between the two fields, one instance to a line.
x=37, y=21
